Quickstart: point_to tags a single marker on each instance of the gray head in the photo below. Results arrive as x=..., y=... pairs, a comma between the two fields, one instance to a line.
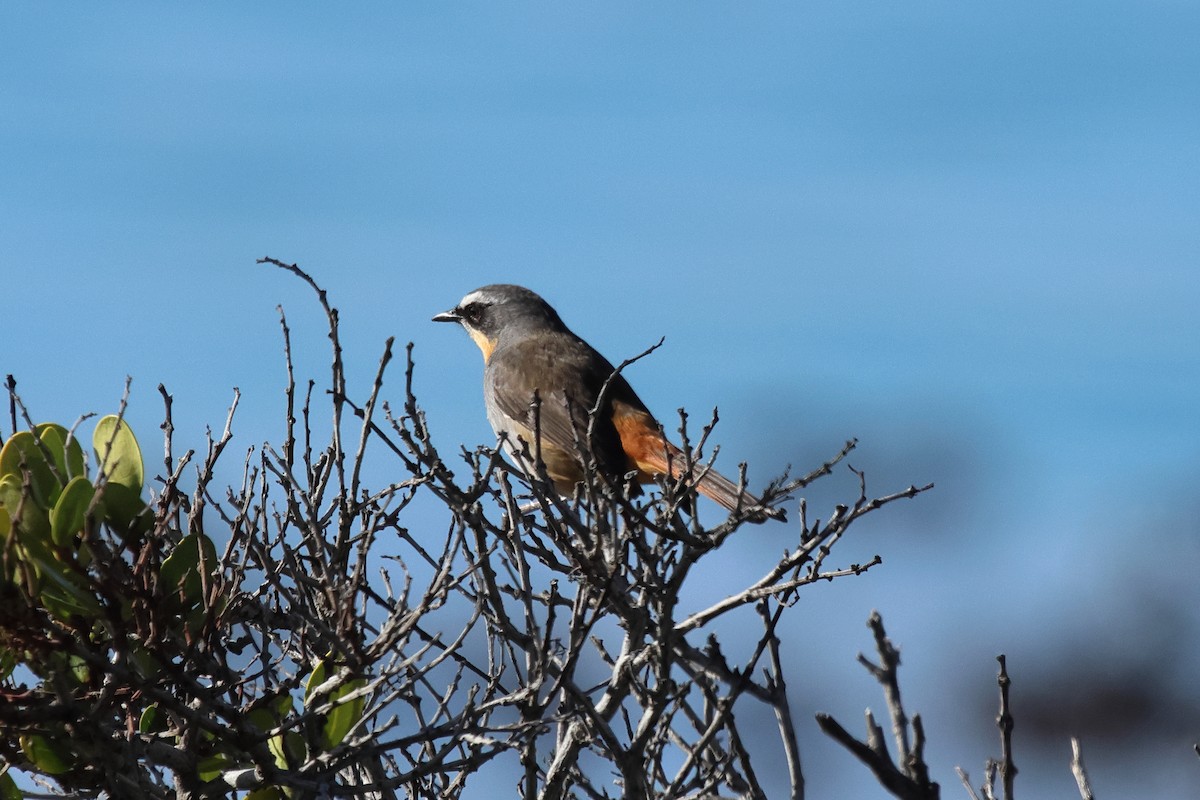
x=501, y=309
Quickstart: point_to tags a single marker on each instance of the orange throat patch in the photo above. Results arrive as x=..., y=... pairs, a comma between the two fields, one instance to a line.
x=486, y=345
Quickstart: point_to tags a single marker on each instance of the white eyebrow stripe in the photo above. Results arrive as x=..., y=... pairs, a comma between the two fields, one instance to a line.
x=473, y=297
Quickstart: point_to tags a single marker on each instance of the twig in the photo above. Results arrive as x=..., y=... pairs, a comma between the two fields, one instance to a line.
x=908, y=776
x=1079, y=771
x=1008, y=769
x=886, y=673
x=783, y=713
x=966, y=782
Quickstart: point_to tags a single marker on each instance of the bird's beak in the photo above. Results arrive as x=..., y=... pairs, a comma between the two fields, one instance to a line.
x=448, y=316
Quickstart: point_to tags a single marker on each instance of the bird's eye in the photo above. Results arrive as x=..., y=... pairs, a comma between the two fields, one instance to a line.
x=472, y=312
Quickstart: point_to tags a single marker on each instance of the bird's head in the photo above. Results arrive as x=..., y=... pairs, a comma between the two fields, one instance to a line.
x=501, y=310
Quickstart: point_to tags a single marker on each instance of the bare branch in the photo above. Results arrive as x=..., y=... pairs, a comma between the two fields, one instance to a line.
x=908, y=776
x=1080, y=773
x=303, y=630
x=1008, y=769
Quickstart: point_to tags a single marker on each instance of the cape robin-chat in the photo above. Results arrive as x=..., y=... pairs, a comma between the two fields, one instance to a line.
x=528, y=352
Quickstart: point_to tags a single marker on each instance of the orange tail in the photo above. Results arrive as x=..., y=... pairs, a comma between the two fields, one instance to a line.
x=653, y=455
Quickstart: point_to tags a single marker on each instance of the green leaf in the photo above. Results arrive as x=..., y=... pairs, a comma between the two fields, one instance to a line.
x=211, y=768
x=145, y=664
x=34, y=522
x=314, y=680
x=124, y=509
x=180, y=571
x=193, y=621
x=152, y=720
x=64, y=448
x=283, y=706
x=65, y=603
x=268, y=714
x=262, y=718
x=286, y=746
x=122, y=462
x=21, y=452
x=50, y=757
x=61, y=593
x=288, y=749
x=8, y=662
x=67, y=516
x=80, y=670
x=265, y=793
x=344, y=715
x=8, y=787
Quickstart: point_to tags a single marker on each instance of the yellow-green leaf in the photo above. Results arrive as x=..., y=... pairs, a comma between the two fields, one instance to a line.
x=67, y=516
x=211, y=768
x=124, y=509
x=8, y=662
x=344, y=715
x=64, y=448
x=21, y=452
x=314, y=680
x=283, y=706
x=34, y=521
x=65, y=604
x=80, y=670
x=152, y=720
x=8, y=787
x=50, y=757
x=288, y=749
x=61, y=593
x=180, y=571
x=117, y=453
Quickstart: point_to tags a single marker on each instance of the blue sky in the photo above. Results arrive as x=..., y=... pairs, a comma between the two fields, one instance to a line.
x=965, y=233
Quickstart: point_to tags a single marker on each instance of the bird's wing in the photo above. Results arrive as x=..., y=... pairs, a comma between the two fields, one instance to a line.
x=567, y=375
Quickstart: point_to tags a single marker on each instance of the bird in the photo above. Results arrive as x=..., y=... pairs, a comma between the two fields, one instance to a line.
x=528, y=353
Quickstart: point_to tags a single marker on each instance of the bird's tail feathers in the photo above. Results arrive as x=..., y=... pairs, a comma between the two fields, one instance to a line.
x=713, y=484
